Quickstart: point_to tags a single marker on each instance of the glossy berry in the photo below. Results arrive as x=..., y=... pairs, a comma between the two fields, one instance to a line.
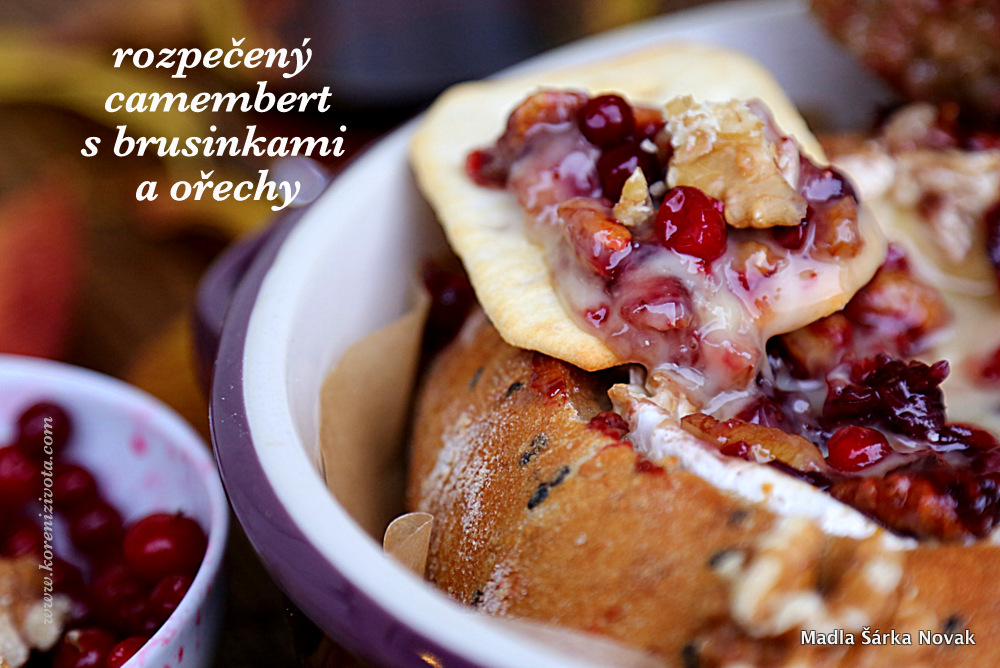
x=33, y=424
x=609, y=423
x=167, y=595
x=97, y=529
x=854, y=448
x=663, y=304
x=822, y=184
x=84, y=648
x=792, y=237
x=135, y=616
x=606, y=120
x=116, y=593
x=904, y=396
x=162, y=545
x=21, y=537
x=451, y=299
x=73, y=488
x=691, y=222
x=616, y=165
x=20, y=480
x=124, y=651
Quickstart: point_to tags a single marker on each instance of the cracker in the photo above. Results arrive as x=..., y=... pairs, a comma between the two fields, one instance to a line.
x=486, y=227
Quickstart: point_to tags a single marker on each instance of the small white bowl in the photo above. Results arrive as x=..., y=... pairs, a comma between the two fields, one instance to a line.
x=146, y=459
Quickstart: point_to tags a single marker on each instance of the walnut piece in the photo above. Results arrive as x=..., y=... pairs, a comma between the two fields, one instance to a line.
x=775, y=591
x=722, y=149
x=24, y=624
x=635, y=206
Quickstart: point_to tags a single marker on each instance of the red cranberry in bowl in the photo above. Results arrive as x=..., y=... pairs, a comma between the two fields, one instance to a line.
x=167, y=595
x=691, y=222
x=162, y=545
x=20, y=480
x=73, y=487
x=606, y=120
x=84, y=648
x=42, y=426
x=124, y=651
x=21, y=537
x=96, y=529
x=853, y=448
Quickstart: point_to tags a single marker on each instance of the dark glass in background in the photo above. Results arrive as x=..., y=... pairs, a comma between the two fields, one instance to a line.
x=396, y=53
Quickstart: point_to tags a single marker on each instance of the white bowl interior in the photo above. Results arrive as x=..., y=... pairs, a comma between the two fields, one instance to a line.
x=348, y=267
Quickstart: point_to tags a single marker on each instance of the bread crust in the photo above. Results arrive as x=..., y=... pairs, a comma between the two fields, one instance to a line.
x=607, y=545
x=539, y=515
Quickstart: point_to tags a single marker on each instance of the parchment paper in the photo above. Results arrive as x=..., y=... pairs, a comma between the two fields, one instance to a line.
x=365, y=408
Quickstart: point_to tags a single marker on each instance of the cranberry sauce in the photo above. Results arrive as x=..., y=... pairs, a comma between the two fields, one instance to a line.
x=665, y=282
x=891, y=453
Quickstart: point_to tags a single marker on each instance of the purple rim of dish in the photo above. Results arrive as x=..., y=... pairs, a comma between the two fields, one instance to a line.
x=315, y=585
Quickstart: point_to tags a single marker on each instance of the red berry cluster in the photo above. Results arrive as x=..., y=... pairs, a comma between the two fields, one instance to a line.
x=138, y=574
x=611, y=124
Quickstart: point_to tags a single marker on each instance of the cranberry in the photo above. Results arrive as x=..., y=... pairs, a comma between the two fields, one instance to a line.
x=451, y=299
x=853, y=448
x=765, y=412
x=167, y=595
x=486, y=168
x=664, y=305
x=609, y=423
x=84, y=648
x=738, y=449
x=19, y=480
x=124, y=651
x=116, y=594
x=135, y=616
x=617, y=164
x=43, y=425
x=791, y=237
x=606, y=120
x=73, y=487
x=904, y=397
x=691, y=222
x=823, y=184
x=22, y=537
x=972, y=437
x=162, y=545
x=97, y=529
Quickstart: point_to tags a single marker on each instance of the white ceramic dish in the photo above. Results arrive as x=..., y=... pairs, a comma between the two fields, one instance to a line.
x=146, y=459
x=293, y=315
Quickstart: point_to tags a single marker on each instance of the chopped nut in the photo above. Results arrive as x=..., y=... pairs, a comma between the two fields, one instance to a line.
x=23, y=621
x=764, y=444
x=634, y=207
x=951, y=189
x=722, y=149
x=775, y=591
x=755, y=260
x=813, y=350
x=902, y=308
